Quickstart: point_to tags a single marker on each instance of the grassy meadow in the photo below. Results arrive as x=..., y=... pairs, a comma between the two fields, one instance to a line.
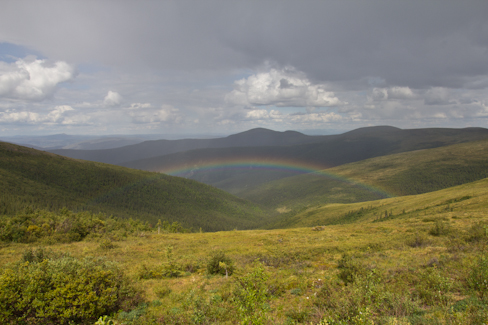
x=407, y=260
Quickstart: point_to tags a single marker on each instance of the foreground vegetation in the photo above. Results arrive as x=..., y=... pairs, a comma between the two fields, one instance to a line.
x=71, y=254
x=424, y=261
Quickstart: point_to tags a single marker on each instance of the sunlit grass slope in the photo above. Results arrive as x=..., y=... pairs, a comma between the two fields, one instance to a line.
x=471, y=198
x=35, y=179
x=406, y=173
x=423, y=170
x=421, y=264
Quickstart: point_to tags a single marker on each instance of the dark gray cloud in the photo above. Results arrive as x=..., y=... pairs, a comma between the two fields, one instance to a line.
x=231, y=65
x=419, y=44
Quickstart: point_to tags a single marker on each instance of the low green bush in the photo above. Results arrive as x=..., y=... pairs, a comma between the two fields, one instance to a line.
x=64, y=226
x=433, y=287
x=48, y=289
x=251, y=296
x=219, y=263
x=170, y=268
x=163, y=291
x=420, y=240
x=350, y=268
x=440, y=228
x=478, y=277
x=477, y=232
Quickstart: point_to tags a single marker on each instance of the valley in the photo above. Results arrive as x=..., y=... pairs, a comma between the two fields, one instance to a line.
x=312, y=233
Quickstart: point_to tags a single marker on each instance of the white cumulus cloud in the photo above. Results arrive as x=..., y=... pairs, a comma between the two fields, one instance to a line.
x=392, y=93
x=262, y=114
x=145, y=113
x=19, y=117
x=319, y=117
x=55, y=115
x=34, y=81
x=112, y=99
x=285, y=87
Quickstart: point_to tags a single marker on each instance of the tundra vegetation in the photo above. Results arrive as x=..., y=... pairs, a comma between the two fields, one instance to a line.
x=419, y=259
x=70, y=253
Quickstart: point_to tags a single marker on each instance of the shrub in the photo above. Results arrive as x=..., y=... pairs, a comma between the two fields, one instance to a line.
x=251, y=296
x=146, y=272
x=478, y=277
x=219, y=263
x=63, y=226
x=418, y=241
x=37, y=255
x=434, y=287
x=170, y=268
x=107, y=244
x=163, y=291
x=350, y=269
x=63, y=290
x=440, y=228
x=477, y=232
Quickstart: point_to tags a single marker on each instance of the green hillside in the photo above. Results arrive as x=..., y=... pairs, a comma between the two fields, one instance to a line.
x=469, y=199
x=406, y=173
x=39, y=180
x=423, y=170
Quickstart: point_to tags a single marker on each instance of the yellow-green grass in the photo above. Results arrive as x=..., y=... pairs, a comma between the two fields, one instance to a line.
x=302, y=261
x=413, y=172
x=455, y=202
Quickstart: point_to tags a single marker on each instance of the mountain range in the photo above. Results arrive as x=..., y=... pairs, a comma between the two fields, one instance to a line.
x=301, y=152
x=273, y=175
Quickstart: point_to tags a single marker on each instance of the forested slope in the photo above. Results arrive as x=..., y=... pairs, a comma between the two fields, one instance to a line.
x=33, y=179
x=400, y=174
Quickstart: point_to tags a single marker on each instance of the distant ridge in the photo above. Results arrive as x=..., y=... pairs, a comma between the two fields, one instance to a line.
x=147, y=149
x=373, y=130
x=327, y=152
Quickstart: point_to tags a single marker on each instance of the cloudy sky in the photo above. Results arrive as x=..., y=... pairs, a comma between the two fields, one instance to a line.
x=220, y=67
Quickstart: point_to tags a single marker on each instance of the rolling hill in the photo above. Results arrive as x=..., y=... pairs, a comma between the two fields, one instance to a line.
x=236, y=169
x=407, y=173
x=38, y=180
x=417, y=259
x=154, y=148
x=467, y=200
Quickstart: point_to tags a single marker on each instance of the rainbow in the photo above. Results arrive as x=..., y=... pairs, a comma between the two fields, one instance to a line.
x=293, y=167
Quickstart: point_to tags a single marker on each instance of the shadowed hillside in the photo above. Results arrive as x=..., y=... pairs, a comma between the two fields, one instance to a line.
x=405, y=173
x=35, y=179
x=147, y=149
x=331, y=151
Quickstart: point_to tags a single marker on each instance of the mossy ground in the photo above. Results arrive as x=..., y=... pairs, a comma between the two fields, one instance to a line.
x=399, y=258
